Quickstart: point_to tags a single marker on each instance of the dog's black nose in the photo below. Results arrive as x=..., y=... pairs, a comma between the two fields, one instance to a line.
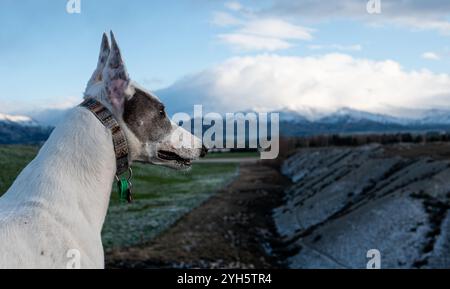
x=203, y=152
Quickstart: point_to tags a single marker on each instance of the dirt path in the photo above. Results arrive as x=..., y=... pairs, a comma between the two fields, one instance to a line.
x=233, y=229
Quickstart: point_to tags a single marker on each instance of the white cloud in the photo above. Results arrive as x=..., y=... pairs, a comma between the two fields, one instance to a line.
x=442, y=26
x=265, y=35
x=272, y=82
x=415, y=14
x=39, y=104
x=258, y=33
x=61, y=103
x=246, y=42
x=224, y=19
x=233, y=5
x=276, y=28
x=338, y=47
x=431, y=56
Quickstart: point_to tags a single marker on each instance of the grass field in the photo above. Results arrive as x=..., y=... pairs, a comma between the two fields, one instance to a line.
x=161, y=195
x=12, y=160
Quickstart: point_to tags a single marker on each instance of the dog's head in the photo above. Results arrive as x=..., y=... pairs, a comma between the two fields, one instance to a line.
x=152, y=137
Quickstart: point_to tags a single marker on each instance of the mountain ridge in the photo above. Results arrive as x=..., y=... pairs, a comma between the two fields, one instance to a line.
x=18, y=119
x=21, y=129
x=305, y=122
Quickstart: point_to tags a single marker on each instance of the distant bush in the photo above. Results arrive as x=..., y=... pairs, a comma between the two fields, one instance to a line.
x=363, y=139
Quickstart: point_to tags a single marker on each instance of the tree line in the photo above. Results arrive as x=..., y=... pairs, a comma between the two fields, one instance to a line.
x=362, y=139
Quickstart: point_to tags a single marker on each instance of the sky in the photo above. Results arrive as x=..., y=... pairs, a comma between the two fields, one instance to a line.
x=233, y=55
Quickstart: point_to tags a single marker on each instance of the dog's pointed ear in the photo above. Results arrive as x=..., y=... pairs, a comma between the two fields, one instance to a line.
x=102, y=58
x=116, y=77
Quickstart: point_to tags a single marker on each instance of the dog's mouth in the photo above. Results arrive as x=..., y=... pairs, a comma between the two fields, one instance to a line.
x=169, y=156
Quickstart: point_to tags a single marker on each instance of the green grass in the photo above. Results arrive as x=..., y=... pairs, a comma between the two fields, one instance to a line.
x=12, y=160
x=161, y=195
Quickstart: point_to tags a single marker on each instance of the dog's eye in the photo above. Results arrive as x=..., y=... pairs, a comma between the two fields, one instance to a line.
x=162, y=111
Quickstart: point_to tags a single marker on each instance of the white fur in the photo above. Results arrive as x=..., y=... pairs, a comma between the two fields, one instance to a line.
x=59, y=201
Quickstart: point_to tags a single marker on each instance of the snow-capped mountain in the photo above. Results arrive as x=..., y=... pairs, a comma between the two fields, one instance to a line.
x=18, y=119
x=19, y=129
x=347, y=120
x=435, y=116
x=352, y=115
x=349, y=115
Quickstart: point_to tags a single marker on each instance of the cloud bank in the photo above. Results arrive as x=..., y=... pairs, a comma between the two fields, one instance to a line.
x=251, y=32
x=416, y=14
x=271, y=82
x=431, y=56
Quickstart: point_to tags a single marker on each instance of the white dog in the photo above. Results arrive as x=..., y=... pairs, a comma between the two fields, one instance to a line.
x=52, y=215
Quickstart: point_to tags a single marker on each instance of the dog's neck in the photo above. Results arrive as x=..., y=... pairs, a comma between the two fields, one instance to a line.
x=73, y=173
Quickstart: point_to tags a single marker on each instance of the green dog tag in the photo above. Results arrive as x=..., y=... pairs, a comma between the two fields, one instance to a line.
x=124, y=187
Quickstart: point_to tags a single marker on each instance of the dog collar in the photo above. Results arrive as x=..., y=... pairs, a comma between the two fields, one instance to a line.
x=120, y=145
x=110, y=122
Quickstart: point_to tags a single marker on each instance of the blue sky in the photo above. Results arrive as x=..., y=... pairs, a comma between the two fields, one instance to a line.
x=47, y=54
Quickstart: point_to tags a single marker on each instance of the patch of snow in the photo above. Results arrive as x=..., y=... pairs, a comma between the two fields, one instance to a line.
x=18, y=119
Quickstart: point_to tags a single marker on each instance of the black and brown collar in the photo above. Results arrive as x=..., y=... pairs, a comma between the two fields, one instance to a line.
x=118, y=137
